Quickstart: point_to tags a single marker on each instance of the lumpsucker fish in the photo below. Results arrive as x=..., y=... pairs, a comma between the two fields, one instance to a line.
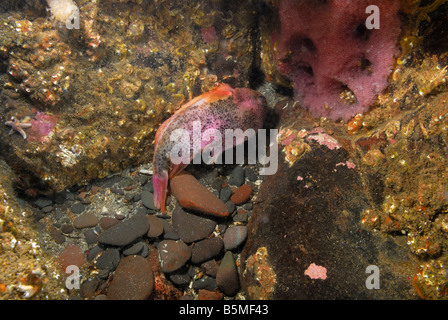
x=219, y=109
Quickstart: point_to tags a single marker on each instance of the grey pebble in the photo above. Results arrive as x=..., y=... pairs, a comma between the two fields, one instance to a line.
x=148, y=200
x=78, y=208
x=180, y=279
x=225, y=194
x=250, y=174
x=93, y=253
x=171, y=236
x=91, y=236
x=237, y=176
x=234, y=236
x=109, y=259
x=204, y=283
x=125, y=232
x=43, y=202
x=230, y=206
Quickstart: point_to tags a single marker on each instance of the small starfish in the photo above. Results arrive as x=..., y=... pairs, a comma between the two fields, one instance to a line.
x=18, y=126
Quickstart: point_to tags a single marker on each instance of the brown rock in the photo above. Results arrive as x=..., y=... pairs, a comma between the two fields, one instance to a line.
x=191, y=194
x=108, y=222
x=71, y=255
x=133, y=280
x=210, y=295
x=86, y=220
x=242, y=194
x=155, y=227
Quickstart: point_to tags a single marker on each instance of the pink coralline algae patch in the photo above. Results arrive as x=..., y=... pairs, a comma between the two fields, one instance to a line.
x=41, y=127
x=209, y=34
x=325, y=139
x=337, y=65
x=348, y=164
x=316, y=272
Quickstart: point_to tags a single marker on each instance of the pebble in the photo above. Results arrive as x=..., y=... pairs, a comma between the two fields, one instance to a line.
x=173, y=254
x=242, y=194
x=191, y=227
x=237, y=176
x=227, y=278
x=148, y=199
x=241, y=216
x=191, y=194
x=43, y=202
x=91, y=236
x=180, y=279
x=225, y=194
x=171, y=236
x=86, y=220
x=204, y=294
x=108, y=222
x=47, y=209
x=125, y=232
x=234, y=236
x=250, y=174
x=139, y=248
x=204, y=283
x=230, y=206
x=78, y=208
x=155, y=227
x=67, y=228
x=88, y=288
x=210, y=268
x=206, y=249
x=71, y=255
x=108, y=260
x=133, y=280
x=91, y=255
x=57, y=235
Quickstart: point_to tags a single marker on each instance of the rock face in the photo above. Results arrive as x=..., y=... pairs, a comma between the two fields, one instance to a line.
x=151, y=70
x=309, y=213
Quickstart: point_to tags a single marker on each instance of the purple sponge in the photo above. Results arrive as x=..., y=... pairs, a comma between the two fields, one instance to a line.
x=337, y=65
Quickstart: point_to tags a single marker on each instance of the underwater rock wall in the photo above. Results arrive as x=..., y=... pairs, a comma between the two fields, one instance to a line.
x=94, y=96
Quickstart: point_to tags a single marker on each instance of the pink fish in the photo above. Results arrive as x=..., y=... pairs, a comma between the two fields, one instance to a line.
x=221, y=108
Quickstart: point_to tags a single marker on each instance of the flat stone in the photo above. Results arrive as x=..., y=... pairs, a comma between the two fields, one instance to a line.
x=191, y=227
x=134, y=249
x=108, y=260
x=173, y=254
x=237, y=176
x=242, y=194
x=191, y=194
x=125, y=232
x=86, y=220
x=133, y=280
x=43, y=202
x=225, y=194
x=78, y=208
x=148, y=199
x=71, y=255
x=108, y=222
x=227, y=278
x=206, y=249
x=155, y=226
x=234, y=236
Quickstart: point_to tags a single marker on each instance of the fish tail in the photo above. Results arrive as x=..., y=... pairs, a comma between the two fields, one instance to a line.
x=160, y=183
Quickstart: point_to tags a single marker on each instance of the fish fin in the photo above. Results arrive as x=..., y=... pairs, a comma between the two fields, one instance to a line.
x=176, y=169
x=160, y=183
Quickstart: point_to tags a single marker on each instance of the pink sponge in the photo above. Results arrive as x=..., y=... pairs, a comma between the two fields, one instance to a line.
x=337, y=65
